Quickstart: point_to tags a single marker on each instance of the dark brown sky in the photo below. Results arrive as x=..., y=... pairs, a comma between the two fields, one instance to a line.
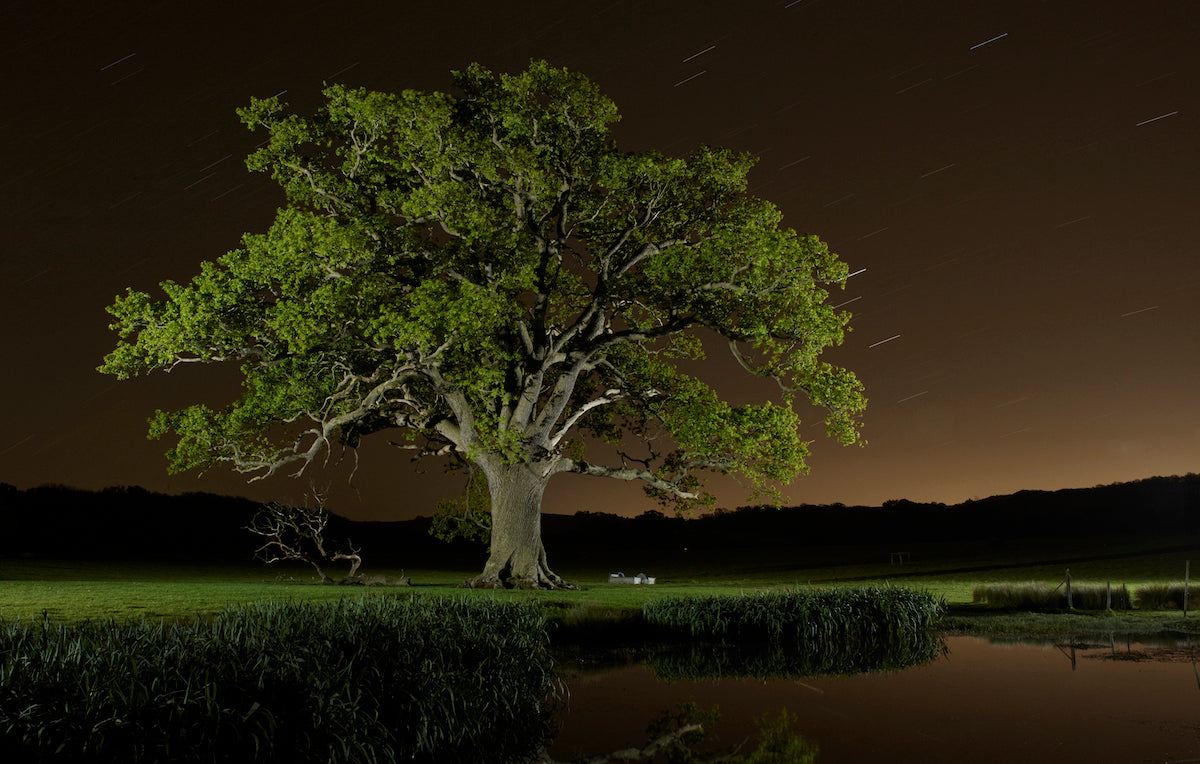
x=1018, y=178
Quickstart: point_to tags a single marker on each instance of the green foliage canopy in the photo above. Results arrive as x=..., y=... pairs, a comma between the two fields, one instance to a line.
x=487, y=273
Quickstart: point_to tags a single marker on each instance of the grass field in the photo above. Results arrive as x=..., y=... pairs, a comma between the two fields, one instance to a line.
x=73, y=592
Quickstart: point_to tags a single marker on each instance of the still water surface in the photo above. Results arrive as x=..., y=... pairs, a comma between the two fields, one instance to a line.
x=983, y=702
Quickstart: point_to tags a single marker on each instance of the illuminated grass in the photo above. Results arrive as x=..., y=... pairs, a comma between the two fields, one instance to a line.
x=74, y=592
x=1035, y=596
x=859, y=616
x=1098, y=624
x=371, y=679
x=1163, y=597
x=77, y=592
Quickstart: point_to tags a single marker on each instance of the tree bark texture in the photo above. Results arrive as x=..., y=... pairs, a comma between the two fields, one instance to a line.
x=517, y=559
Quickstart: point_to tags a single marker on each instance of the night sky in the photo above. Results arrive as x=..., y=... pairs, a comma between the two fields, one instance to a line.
x=1019, y=179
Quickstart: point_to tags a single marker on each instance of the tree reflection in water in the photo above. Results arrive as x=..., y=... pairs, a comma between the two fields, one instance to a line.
x=986, y=701
x=775, y=661
x=679, y=737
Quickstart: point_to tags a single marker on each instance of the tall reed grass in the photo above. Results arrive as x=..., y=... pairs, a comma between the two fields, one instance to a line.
x=374, y=680
x=1162, y=597
x=1035, y=596
x=818, y=617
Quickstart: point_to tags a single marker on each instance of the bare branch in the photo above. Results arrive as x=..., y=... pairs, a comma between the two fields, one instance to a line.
x=625, y=473
x=298, y=533
x=610, y=396
x=633, y=754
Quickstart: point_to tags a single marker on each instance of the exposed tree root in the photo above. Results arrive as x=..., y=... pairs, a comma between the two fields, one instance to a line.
x=506, y=575
x=499, y=581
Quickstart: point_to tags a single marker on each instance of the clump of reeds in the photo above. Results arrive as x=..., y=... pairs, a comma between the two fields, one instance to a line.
x=860, y=616
x=1162, y=597
x=1036, y=596
x=379, y=679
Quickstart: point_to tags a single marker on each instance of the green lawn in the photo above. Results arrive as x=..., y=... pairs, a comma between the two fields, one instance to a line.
x=77, y=591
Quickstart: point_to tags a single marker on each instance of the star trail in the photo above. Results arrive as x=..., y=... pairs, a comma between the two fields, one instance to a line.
x=1013, y=186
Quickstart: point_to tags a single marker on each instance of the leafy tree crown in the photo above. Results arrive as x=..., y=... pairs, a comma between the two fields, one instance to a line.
x=487, y=274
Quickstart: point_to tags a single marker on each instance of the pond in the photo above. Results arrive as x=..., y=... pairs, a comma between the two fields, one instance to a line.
x=982, y=701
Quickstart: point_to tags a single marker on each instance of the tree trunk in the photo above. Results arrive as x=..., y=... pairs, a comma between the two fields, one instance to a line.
x=517, y=559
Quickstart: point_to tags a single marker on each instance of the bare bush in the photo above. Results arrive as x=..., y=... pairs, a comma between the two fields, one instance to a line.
x=298, y=533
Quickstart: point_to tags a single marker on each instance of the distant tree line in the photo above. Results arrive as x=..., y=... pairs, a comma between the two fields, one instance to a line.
x=1153, y=506
x=123, y=522
x=130, y=523
x=54, y=521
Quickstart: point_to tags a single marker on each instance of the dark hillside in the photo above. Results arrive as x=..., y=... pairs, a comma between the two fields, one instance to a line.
x=122, y=523
x=1153, y=507
x=131, y=523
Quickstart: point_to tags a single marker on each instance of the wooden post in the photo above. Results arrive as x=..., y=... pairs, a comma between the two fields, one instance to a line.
x=1108, y=596
x=1070, y=602
x=1187, y=564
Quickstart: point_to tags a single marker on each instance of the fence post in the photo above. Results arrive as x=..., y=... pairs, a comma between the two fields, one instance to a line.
x=1187, y=564
x=1108, y=596
x=1070, y=602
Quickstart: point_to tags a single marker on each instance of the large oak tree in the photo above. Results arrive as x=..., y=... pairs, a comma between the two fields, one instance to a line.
x=488, y=275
